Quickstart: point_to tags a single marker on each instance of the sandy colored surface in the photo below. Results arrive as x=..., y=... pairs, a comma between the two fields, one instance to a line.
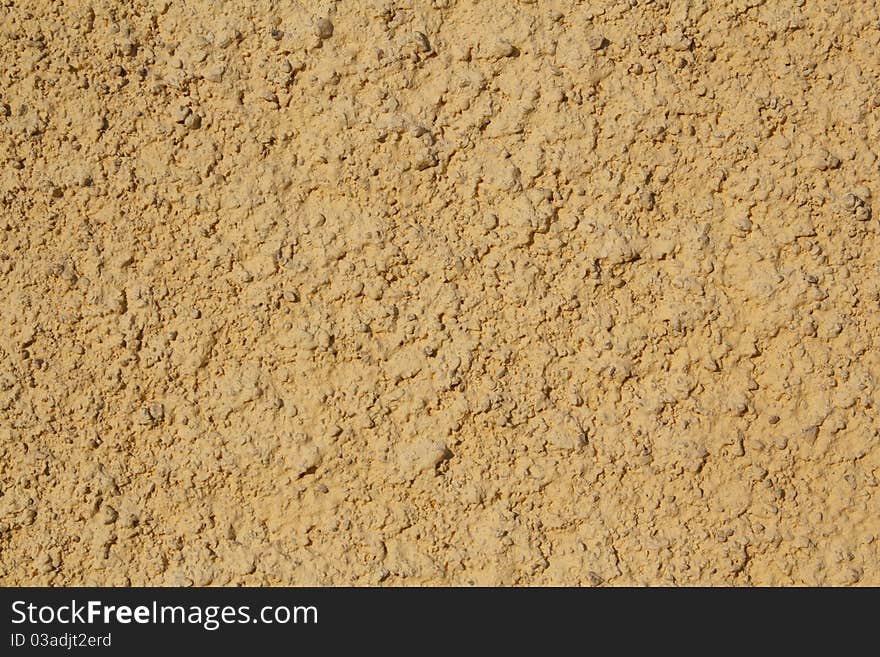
x=443, y=292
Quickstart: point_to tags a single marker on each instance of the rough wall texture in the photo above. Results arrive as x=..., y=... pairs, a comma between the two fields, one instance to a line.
x=450, y=292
